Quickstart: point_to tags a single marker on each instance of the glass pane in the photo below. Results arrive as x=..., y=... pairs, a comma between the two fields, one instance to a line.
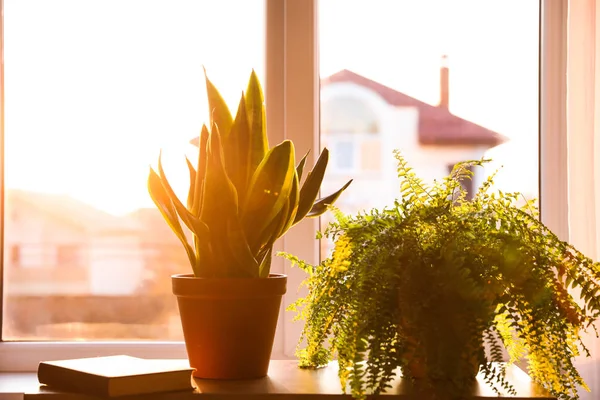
x=93, y=90
x=443, y=81
x=344, y=155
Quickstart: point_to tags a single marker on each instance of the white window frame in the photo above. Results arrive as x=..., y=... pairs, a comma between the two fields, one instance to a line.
x=292, y=91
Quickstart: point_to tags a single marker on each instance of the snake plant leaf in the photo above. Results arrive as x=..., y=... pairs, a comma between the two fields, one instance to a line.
x=320, y=206
x=191, y=191
x=235, y=147
x=269, y=188
x=193, y=223
x=265, y=238
x=311, y=186
x=258, y=122
x=283, y=221
x=219, y=203
x=200, y=171
x=164, y=204
x=211, y=261
x=300, y=167
x=217, y=109
x=280, y=222
x=294, y=200
x=265, y=265
x=225, y=261
x=220, y=197
x=246, y=264
x=222, y=263
x=204, y=256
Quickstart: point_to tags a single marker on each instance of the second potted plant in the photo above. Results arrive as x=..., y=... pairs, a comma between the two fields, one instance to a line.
x=426, y=283
x=243, y=195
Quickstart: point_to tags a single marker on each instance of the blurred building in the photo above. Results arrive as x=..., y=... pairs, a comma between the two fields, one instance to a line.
x=363, y=121
x=55, y=244
x=72, y=270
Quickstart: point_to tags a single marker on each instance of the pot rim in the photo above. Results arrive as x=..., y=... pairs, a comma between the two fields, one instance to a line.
x=192, y=277
x=187, y=285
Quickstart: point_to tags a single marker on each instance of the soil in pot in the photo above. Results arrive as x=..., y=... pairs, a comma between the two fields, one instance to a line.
x=229, y=324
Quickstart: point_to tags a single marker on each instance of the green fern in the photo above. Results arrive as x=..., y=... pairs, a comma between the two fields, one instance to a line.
x=434, y=273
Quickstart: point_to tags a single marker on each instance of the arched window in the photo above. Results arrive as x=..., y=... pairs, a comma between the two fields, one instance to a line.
x=347, y=115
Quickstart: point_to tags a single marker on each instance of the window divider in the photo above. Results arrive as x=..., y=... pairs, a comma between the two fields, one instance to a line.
x=553, y=162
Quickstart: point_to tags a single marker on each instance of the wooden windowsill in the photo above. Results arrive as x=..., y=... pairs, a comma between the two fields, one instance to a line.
x=285, y=381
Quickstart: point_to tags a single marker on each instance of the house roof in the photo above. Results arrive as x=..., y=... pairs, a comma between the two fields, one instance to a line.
x=437, y=125
x=69, y=211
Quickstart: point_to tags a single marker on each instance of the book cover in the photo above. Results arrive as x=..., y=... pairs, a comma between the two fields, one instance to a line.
x=115, y=376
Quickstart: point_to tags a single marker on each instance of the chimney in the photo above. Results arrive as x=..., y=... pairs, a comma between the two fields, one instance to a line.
x=444, y=83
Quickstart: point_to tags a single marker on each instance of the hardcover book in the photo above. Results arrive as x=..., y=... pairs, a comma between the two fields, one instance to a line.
x=114, y=376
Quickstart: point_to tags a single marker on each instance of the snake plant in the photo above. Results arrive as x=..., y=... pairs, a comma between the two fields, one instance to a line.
x=243, y=195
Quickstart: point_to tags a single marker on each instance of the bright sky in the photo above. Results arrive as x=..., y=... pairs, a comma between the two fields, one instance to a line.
x=93, y=89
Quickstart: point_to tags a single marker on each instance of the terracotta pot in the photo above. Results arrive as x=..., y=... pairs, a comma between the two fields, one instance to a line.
x=229, y=324
x=449, y=347
x=462, y=365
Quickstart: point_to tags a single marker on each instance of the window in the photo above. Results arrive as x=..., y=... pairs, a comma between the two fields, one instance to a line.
x=428, y=87
x=292, y=92
x=93, y=90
